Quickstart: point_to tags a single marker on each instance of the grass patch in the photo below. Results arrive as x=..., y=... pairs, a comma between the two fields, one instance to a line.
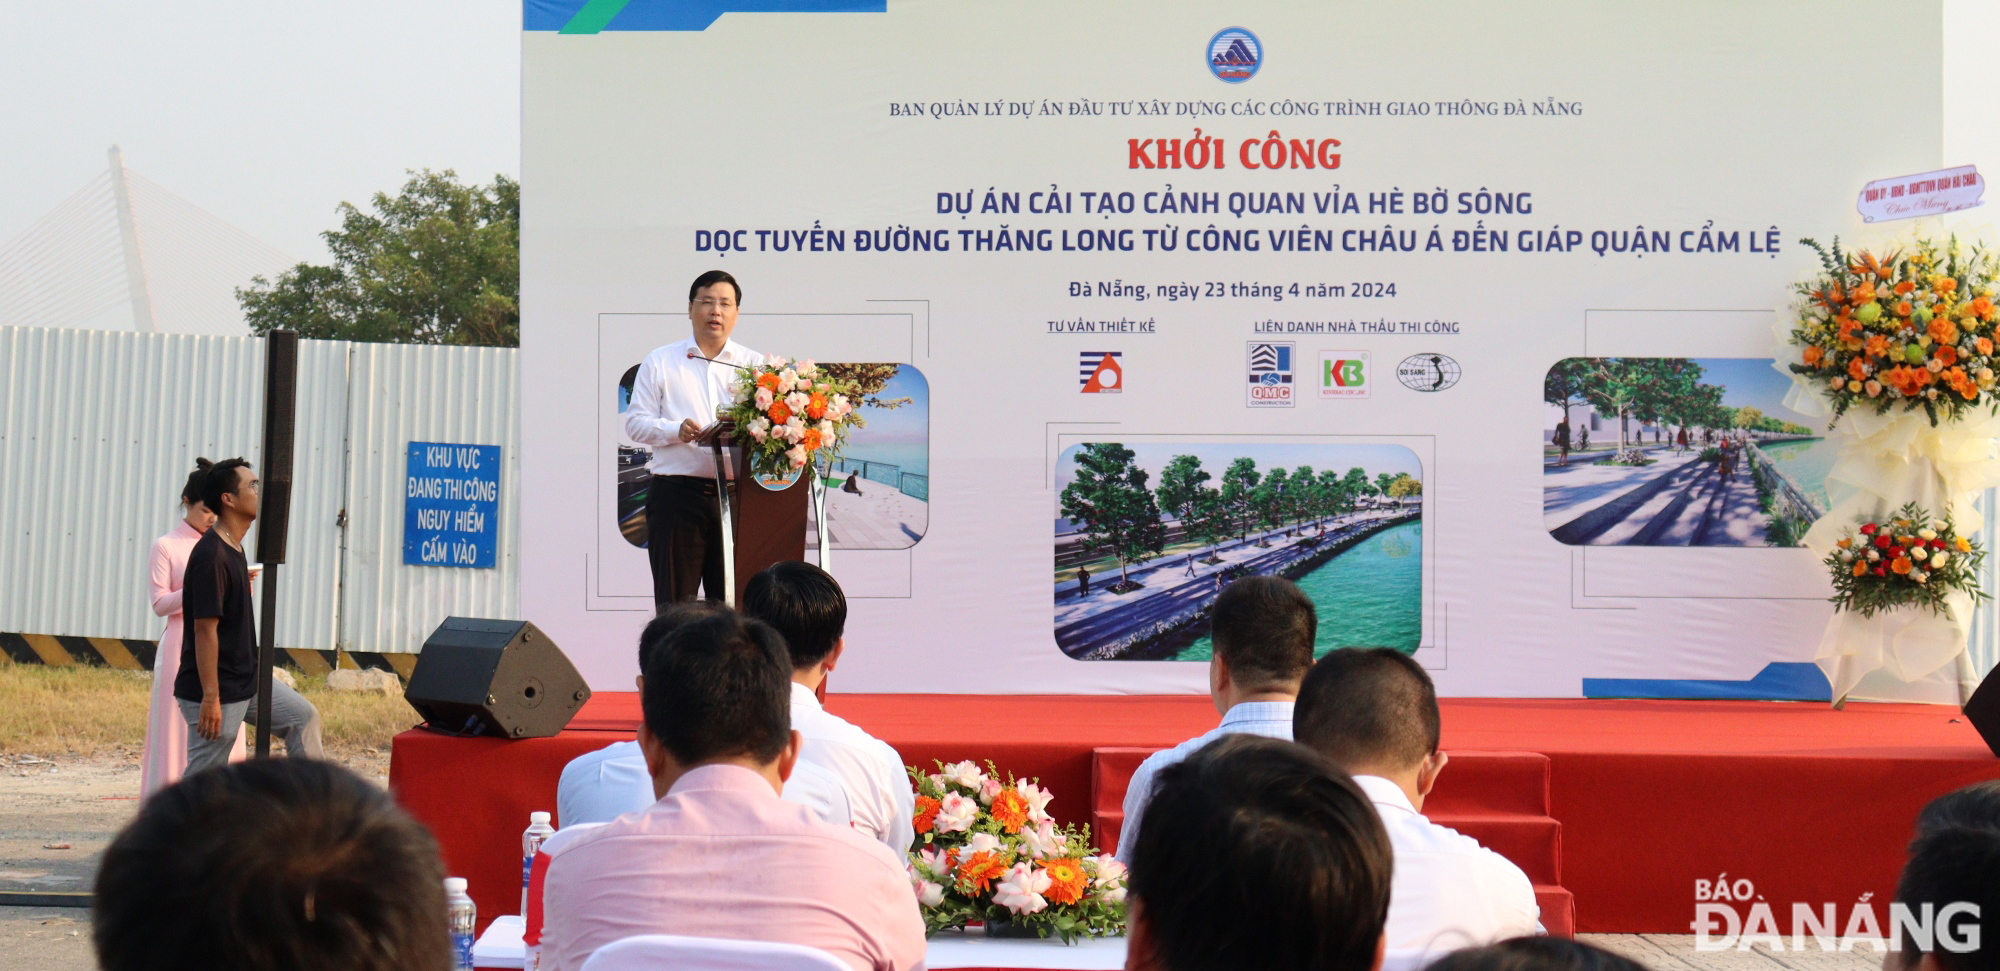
x=92, y=711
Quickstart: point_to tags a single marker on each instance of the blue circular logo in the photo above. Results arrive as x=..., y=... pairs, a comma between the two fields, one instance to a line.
x=1234, y=55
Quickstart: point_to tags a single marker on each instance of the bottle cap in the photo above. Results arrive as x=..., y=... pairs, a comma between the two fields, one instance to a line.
x=538, y=819
x=454, y=884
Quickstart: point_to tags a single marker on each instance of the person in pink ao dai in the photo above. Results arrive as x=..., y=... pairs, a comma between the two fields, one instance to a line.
x=166, y=730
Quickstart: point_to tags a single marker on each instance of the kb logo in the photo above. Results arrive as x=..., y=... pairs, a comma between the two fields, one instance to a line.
x=1343, y=374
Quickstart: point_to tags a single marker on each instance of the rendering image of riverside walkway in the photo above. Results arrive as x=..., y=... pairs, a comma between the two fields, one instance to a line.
x=1678, y=500
x=1102, y=625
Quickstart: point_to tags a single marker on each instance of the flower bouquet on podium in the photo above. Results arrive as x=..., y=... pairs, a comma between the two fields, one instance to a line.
x=987, y=850
x=789, y=414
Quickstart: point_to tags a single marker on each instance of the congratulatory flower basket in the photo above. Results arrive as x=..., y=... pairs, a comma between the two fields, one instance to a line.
x=1910, y=560
x=790, y=414
x=987, y=851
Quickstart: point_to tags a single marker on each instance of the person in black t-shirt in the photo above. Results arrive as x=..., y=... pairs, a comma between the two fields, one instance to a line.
x=217, y=684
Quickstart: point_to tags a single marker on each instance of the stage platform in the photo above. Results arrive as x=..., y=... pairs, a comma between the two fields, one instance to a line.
x=1811, y=805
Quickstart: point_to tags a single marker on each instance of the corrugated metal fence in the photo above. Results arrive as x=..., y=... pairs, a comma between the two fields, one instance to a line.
x=98, y=430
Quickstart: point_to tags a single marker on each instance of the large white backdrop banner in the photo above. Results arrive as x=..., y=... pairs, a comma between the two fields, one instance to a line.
x=1166, y=293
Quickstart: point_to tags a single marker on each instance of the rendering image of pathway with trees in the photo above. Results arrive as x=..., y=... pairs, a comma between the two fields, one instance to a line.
x=1149, y=536
x=1645, y=452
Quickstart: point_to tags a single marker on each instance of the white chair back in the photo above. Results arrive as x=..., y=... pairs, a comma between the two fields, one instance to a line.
x=660, y=952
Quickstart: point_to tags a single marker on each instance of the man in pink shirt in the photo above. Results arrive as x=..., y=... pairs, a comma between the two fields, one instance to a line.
x=720, y=855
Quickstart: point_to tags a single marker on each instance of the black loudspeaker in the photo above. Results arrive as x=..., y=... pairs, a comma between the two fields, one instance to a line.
x=1983, y=711
x=500, y=678
x=281, y=400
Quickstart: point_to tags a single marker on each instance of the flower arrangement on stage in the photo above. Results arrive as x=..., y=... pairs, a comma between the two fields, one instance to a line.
x=987, y=850
x=1914, y=328
x=1910, y=560
x=786, y=414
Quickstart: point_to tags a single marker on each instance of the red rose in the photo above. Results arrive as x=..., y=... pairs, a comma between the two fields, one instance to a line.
x=1937, y=544
x=1884, y=541
x=1870, y=528
x=1881, y=572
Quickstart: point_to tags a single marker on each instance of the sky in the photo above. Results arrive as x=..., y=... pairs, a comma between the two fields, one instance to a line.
x=266, y=114
x=1752, y=381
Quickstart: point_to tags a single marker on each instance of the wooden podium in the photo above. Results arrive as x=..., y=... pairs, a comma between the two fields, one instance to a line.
x=760, y=525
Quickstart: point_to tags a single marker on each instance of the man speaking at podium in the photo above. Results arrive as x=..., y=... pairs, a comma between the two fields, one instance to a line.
x=678, y=391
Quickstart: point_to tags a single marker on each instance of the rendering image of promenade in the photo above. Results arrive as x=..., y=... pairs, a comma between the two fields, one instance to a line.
x=1678, y=452
x=1150, y=533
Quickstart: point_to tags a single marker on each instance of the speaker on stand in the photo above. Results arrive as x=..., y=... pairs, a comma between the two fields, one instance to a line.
x=496, y=678
x=1983, y=711
x=281, y=394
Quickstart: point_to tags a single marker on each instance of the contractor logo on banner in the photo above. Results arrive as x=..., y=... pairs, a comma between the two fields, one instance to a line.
x=1099, y=372
x=1427, y=372
x=1235, y=55
x=1343, y=374
x=1270, y=374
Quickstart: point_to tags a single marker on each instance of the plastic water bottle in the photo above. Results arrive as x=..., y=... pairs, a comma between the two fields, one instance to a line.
x=531, y=843
x=464, y=916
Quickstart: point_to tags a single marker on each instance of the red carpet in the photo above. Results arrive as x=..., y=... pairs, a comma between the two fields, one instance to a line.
x=1811, y=805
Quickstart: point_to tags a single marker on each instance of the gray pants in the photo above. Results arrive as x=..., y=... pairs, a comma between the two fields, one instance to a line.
x=294, y=721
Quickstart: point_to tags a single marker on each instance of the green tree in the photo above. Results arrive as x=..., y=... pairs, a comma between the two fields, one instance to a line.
x=1382, y=480
x=1180, y=488
x=1110, y=502
x=1305, y=493
x=1632, y=387
x=1748, y=416
x=1356, y=482
x=1239, y=492
x=1272, y=495
x=1211, y=523
x=1564, y=385
x=438, y=263
x=1332, y=493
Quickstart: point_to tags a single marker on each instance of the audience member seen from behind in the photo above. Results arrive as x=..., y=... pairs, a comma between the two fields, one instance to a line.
x=1534, y=954
x=720, y=854
x=870, y=790
x=1263, y=631
x=1976, y=805
x=1954, y=873
x=272, y=865
x=1257, y=853
x=600, y=786
x=1374, y=712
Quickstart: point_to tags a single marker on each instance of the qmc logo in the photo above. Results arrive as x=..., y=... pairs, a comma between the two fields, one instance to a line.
x=1100, y=373
x=1234, y=55
x=1270, y=374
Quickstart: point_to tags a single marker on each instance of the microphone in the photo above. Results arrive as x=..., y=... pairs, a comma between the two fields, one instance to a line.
x=692, y=356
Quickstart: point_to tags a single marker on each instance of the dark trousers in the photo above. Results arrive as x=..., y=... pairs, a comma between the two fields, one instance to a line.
x=684, y=538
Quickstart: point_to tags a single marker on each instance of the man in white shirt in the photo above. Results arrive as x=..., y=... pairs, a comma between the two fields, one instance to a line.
x=869, y=789
x=677, y=392
x=600, y=786
x=1374, y=712
x=1263, y=630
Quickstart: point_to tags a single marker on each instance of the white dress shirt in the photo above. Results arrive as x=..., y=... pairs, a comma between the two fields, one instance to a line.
x=671, y=388
x=600, y=786
x=1272, y=719
x=878, y=797
x=1448, y=892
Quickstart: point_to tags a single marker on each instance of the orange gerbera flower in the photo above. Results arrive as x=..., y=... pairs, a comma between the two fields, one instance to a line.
x=1010, y=810
x=1946, y=354
x=779, y=413
x=1856, y=370
x=1943, y=330
x=979, y=871
x=1878, y=346
x=816, y=406
x=1066, y=881
x=927, y=812
x=1900, y=564
x=811, y=439
x=768, y=382
x=1860, y=567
